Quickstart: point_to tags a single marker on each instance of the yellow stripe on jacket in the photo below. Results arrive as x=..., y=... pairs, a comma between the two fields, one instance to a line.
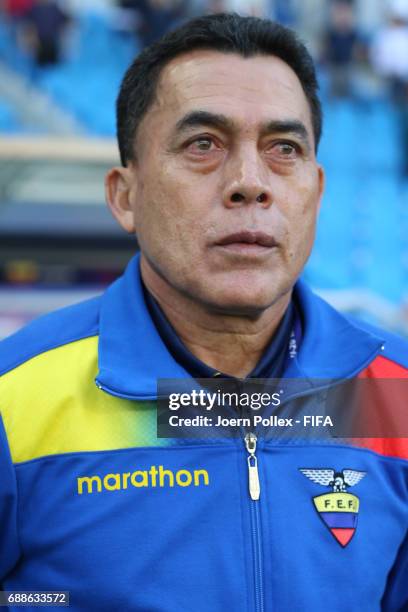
x=50, y=405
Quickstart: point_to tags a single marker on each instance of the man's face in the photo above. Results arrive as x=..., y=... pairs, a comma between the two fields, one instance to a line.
x=225, y=187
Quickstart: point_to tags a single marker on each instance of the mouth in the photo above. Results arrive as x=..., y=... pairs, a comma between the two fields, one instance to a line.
x=247, y=242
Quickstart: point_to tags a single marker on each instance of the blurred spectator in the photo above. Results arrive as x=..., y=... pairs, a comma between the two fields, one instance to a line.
x=341, y=44
x=45, y=24
x=16, y=9
x=389, y=56
x=215, y=6
x=14, y=12
x=153, y=18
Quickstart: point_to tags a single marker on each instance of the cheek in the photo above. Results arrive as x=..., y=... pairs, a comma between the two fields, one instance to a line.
x=300, y=207
x=166, y=211
x=153, y=200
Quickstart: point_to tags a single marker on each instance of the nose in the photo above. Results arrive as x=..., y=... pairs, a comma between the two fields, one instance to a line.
x=247, y=180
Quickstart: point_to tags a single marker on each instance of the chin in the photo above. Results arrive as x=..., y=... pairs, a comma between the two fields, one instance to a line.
x=248, y=301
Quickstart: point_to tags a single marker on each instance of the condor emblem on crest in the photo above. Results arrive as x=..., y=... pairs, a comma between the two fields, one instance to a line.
x=338, y=509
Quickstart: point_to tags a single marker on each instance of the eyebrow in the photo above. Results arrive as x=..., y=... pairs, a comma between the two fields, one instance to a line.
x=287, y=127
x=204, y=118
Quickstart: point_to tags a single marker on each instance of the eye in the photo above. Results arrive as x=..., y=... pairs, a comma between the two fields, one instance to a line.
x=201, y=144
x=285, y=150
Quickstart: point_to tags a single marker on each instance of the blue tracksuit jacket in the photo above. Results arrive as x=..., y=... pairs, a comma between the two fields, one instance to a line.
x=93, y=502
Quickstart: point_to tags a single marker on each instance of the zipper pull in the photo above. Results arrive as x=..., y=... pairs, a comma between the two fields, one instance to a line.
x=254, y=486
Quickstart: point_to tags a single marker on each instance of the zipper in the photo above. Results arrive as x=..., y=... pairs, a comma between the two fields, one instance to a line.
x=253, y=475
x=255, y=493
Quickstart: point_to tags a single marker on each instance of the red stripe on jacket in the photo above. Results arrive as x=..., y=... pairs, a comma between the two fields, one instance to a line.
x=382, y=367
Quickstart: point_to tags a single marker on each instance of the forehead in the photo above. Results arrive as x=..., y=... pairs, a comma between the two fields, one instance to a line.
x=250, y=90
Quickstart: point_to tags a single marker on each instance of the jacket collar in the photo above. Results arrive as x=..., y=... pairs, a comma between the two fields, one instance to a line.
x=132, y=355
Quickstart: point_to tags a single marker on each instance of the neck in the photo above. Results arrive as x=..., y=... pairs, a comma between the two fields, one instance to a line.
x=232, y=344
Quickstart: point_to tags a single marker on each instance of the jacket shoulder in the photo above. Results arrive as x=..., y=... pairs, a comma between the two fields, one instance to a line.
x=50, y=331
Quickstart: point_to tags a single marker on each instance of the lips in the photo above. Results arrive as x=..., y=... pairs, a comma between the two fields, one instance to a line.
x=246, y=237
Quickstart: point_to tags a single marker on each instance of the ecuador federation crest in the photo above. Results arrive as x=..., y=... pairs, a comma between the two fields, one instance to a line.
x=339, y=508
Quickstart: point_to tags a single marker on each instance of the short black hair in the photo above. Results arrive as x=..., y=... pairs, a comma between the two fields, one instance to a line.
x=224, y=32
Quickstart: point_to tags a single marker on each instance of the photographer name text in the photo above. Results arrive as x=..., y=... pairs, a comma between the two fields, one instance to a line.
x=314, y=420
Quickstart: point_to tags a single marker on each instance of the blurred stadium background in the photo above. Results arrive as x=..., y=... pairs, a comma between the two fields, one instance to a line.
x=60, y=67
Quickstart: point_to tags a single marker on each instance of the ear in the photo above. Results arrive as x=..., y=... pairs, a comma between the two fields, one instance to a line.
x=118, y=184
x=322, y=183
